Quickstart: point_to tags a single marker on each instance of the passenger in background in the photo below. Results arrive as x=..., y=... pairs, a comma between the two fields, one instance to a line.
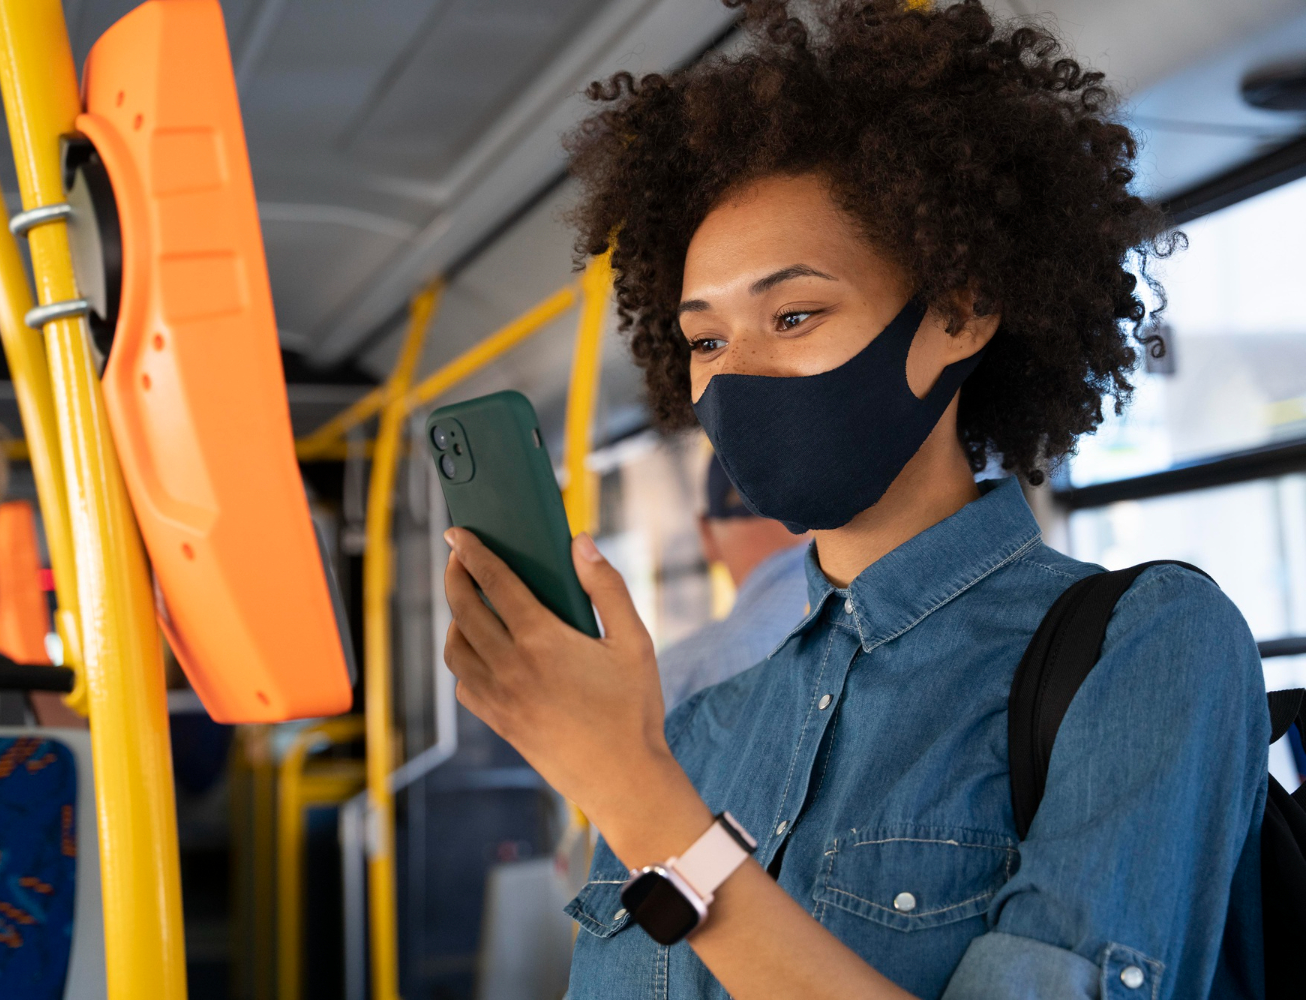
x=765, y=560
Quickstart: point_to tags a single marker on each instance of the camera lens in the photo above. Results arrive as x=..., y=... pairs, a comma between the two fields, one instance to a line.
x=439, y=438
x=448, y=467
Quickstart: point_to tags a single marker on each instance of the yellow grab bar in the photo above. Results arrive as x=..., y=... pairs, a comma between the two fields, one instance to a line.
x=253, y=863
x=580, y=495
x=489, y=349
x=327, y=441
x=376, y=610
x=376, y=653
x=336, y=451
x=395, y=400
x=263, y=850
x=30, y=370
x=293, y=796
x=117, y=640
x=333, y=432
x=16, y=449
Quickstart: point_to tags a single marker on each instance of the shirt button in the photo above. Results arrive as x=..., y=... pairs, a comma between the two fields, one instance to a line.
x=619, y=914
x=904, y=902
x=1131, y=976
x=784, y=825
x=824, y=703
x=848, y=606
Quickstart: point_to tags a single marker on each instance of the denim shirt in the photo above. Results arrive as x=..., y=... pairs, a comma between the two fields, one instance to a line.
x=868, y=755
x=772, y=598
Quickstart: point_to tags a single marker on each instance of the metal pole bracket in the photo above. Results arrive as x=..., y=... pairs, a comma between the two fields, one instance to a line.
x=24, y=222
x=38, y=317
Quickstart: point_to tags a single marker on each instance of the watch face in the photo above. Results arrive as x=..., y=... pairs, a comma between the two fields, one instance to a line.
x=657, y=906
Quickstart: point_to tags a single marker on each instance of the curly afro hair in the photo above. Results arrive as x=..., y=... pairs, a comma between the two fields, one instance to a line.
x=975, y=156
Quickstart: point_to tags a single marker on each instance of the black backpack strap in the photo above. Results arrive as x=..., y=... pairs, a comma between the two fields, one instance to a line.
x=1285, y=709
x=1064, y=650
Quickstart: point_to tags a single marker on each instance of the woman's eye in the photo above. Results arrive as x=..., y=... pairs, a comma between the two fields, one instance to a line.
x=706, y=345
x=790, y=320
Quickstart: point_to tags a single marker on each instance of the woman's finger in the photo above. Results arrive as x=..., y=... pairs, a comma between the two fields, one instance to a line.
x=475, y=680
x=608, y=591
x=477, y=623
x=464, y=662
x=516, y=605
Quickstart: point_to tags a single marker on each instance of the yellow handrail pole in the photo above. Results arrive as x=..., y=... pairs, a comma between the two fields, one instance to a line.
x=290, y=845
x=30, y=371
x=336, y=451
x=253, y=858
x=263, y=959
x=118, y=640
x=580, y=494
x=240, y=865
x=382, y=926
x=489, y=349
x=376, y=595
x=334, y=430
x=327, y=440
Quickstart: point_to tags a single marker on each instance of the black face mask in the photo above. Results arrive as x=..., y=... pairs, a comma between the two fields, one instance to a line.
x=813, y=451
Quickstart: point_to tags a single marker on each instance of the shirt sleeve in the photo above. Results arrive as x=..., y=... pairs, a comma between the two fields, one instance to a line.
x=1155, y=787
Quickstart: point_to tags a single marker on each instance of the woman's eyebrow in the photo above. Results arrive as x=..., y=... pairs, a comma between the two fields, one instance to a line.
x=785, y=274
x=761, y=285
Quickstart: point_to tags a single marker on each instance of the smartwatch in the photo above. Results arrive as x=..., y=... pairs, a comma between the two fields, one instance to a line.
x=670, y=900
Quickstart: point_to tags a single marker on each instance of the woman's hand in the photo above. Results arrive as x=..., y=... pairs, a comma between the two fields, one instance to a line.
x=586, y=713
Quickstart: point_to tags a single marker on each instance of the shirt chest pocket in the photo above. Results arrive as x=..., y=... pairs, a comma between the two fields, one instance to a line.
x=913, y=878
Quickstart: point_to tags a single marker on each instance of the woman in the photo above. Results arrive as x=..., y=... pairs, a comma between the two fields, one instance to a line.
x=873, y=255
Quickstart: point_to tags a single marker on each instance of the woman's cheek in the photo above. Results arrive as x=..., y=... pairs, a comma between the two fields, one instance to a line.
x=698, y=379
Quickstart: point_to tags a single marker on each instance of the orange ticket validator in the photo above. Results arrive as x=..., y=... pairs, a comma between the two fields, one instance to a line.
x=194, y=386
x=24, y=610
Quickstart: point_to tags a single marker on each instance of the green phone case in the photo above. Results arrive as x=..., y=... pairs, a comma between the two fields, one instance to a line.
x=499, y=483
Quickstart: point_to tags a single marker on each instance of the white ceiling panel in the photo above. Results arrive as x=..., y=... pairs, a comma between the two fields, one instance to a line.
x=1139, y=42
x=1195, y=124
x=1179, y=64
x=474, y=60
x=318, y=65
x=509, y=161
x=317, y=265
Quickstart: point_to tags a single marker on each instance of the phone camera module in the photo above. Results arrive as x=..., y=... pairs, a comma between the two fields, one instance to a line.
x=440, y=438
x=448, y=466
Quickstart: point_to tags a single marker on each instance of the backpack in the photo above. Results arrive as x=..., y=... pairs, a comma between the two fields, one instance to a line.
x=1064, y=650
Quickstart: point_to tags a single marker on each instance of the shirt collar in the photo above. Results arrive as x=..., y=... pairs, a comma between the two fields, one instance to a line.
x=930, y=569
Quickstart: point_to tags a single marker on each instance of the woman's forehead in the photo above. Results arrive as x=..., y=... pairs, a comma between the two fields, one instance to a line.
x=769, y=225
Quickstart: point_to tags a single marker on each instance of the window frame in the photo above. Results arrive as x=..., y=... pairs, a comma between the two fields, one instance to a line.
x=1274, y=169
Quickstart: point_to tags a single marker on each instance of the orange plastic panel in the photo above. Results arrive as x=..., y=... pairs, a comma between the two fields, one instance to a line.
x=24, y=611
x=194, y=387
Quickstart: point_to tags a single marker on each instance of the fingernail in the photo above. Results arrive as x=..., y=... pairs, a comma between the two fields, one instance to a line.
x=449, y=537
x=587, y=548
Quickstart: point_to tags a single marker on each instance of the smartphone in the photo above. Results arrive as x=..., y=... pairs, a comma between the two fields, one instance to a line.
x=498, y=482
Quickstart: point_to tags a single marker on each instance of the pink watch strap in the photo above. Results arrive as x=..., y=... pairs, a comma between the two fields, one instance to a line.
x=713, y=857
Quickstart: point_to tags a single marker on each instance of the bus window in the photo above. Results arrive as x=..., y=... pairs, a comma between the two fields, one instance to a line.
x=1234, y=328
